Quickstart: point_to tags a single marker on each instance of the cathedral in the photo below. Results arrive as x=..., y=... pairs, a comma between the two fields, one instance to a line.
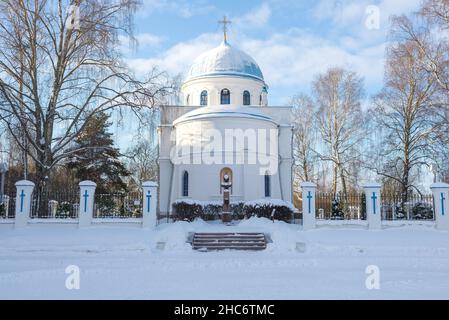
x=224, y=127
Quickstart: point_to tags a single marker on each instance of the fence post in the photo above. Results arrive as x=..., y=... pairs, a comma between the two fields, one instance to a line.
x=86, y=207
x=373, y=209
x=308, y=205
x=440, y=192
x=149, y=189
x=23, y=202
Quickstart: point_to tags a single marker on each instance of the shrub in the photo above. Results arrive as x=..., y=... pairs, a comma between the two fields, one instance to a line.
x=63, y=210
x=187, y=210
x=3, y=213
x=237, y=209
x=211, y=211
x=264, y=208
x=337, y=212
x=422, y=211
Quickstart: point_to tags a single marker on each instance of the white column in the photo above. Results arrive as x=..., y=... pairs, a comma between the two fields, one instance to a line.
x=440, y=192
x=149, y=189
x=86, y=208
x=308, y=205
x=373, y=209
x=23, y=202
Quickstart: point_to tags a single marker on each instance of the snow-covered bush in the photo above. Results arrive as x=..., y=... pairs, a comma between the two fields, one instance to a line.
x=263, y=208
x=237, y=210
x=3, y=213
x=63, y=210
x=422, y=211
x=337, y=212
x=189, y=209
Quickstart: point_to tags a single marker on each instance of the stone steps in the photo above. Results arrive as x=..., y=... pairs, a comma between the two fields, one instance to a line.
x=232, y=241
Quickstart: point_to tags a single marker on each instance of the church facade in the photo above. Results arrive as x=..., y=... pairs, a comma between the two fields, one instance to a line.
x=224, y=127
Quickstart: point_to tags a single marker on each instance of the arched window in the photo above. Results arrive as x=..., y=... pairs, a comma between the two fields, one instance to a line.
x=185, y=184
x=267, y=185
x=203, y=99
x=246, y=98
x=188, y=99
x=225, y=97
x=260, y=100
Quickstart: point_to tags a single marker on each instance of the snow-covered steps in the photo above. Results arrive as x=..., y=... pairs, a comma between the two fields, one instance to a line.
x=234, y=241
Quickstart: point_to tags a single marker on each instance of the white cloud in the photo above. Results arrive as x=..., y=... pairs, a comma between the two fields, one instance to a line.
x=178, y=58
x=144, y=40
x=256, y=18
x=293, y=59
x=352, y=13
x=289, y=59
x=148, y=39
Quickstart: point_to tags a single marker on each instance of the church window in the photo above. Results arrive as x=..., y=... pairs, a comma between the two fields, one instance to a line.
x=260, y=100
x=188, y=99
x=267, y=185
x=246, y=98
x=203, y=100
x=225, y=97
x=185, y=184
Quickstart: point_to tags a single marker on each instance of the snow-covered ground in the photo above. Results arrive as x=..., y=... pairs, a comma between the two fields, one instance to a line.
x=118, y=262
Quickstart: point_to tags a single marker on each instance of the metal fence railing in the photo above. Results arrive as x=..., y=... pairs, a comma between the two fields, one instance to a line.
x=410, y=207
x=118, y=205
x=55, y=205
x=337, y=206
x=7, y=207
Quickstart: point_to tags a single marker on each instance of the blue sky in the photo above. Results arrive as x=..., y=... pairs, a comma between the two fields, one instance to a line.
x=292, y=41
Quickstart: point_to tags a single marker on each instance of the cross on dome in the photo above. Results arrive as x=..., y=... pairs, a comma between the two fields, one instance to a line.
x=225, y=23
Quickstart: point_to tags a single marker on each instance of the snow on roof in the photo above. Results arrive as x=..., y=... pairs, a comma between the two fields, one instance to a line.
x=226, y=111
x=224, y=60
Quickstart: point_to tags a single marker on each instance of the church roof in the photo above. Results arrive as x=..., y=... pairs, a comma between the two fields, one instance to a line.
x=223, y=112
x=224, y=60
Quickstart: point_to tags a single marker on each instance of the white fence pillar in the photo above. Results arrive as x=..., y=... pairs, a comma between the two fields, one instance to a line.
x=86, y=207
x=373, y=209
x=440, y=192
x=308, y=205
x=149, y=189
x=23, y=202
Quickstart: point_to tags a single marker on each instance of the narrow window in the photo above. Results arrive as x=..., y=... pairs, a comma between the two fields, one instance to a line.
x=225, y=97
x=246, y=98
x=188, y=99
x=267, y=185
x=203, y=100
x=185, y=184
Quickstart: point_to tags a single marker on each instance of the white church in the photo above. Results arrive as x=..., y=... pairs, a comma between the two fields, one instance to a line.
x=224, y=127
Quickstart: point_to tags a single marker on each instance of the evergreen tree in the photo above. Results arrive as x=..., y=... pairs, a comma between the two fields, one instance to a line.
x=97, y=158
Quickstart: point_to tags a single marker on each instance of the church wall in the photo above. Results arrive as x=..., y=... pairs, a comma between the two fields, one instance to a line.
x=214, y=85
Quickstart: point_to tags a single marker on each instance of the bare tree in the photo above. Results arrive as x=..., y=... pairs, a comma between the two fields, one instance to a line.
x=427, y=30
x=339, y=117
x=143, y=162
x=60, y=65
x=406, y=116
x=304, y=138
